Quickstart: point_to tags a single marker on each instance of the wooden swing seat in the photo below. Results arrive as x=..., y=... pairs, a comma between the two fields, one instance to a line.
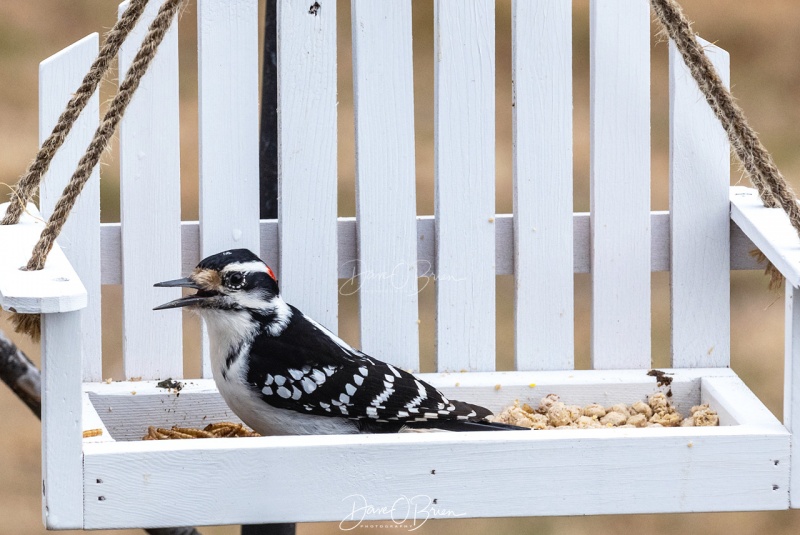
x=115, y=480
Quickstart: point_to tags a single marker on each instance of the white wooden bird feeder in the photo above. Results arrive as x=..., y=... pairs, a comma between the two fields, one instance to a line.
x=115, y=480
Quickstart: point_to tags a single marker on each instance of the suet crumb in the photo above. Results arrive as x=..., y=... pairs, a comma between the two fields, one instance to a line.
x=552, y=413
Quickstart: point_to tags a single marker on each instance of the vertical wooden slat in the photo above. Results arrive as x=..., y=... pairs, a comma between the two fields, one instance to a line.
x=464, y=161
x=385, y=180
x=700, y=219
x=228, y=109
x=150, y=209
x=62, y=457
x=791, y=390
x=542, y=118
x=620, y=183
x=307, y=158
x=71, y=342
x=59, y=77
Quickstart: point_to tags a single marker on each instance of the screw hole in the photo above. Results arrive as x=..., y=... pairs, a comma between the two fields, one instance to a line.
x=776, y=462
x=435, y=501
x=99, y=481
x=433, y=472
x=775, y=487
x=101, y=498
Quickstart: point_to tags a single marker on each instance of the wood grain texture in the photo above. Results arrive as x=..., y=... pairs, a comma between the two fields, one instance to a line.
x=542, y=118
x=700, y=222
x=227, y=35
x=127, y=415
x=504, y=252
x=91, y=420
x=464, y=137
x=307, y=158
x=56, y=288
x=62, y=459
x=131, y=474
x=769, y=229
x=150, y=199
x=791, y=386
x=737, y=404
x=620, y=183
x=383, y=86
x=59, y=77
x=549, y=475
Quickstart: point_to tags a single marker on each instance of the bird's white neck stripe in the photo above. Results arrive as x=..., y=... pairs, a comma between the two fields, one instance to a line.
x=283, y=314
x=253, y=265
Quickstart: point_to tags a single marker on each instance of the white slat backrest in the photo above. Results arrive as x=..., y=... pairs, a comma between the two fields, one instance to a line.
x=59, y=77
x=620, y=183
x=542, y=118
x=700, y=219
x=150, y=200
x=307, y=165
x=386, y=180
x=228, y=115
x=71, y=342
x=464, y=199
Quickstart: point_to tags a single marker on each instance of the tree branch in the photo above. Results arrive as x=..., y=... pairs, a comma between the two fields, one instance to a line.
x=21, y=375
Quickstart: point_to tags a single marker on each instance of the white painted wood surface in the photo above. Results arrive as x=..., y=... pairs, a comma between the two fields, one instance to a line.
x=56, y=288
x=735, y=403
x=59, y=77
x=307, y=164
x=464, y=137
x=227, y=36
x=62, y=459
x=383, y=90
x=136, y=478
x=700, y=219
x=150, y=199
x=549, y=475
x=504, y=262
x=542, y=81
x=769, y=229
x=127, y=415
x=791, y=388
x=91, y=421
x=751, y=441
x=620, y=183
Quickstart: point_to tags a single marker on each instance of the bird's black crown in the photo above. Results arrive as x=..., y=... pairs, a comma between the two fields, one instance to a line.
x=220, y=260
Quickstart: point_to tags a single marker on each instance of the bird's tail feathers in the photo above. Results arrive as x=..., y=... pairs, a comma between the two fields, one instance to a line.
x=463, y=425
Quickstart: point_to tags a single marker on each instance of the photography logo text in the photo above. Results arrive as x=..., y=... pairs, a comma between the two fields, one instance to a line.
x=402, y=277
x=406, y=512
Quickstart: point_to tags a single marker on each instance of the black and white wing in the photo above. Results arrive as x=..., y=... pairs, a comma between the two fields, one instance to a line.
x=309, y=370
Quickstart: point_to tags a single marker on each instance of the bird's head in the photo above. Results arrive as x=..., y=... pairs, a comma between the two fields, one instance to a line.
x=230, y=280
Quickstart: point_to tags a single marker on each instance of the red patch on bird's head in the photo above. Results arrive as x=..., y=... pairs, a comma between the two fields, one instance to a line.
x=271, y=273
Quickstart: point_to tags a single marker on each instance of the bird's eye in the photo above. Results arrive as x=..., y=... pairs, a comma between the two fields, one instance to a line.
x=236, y=280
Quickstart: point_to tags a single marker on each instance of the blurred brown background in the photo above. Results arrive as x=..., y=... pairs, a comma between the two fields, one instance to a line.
x=763, y=40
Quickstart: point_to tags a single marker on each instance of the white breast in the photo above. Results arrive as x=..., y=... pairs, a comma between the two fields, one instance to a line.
x=228, y=330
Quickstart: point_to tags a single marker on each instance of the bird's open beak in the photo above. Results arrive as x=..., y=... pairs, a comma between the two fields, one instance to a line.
x=183, y=301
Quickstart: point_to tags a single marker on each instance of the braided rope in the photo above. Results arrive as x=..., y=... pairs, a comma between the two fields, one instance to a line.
x=764, y=174
x=155, y=34
x=26, y=187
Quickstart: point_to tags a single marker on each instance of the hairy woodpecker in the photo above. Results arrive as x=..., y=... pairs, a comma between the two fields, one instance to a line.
x=283, y=373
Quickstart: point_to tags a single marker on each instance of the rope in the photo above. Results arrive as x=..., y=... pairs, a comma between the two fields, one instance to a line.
x=764, y=174
x=155, y=34
x=26, y=187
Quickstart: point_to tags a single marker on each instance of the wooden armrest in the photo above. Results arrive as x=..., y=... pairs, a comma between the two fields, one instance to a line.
x=770, y=231
x=56, y=288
